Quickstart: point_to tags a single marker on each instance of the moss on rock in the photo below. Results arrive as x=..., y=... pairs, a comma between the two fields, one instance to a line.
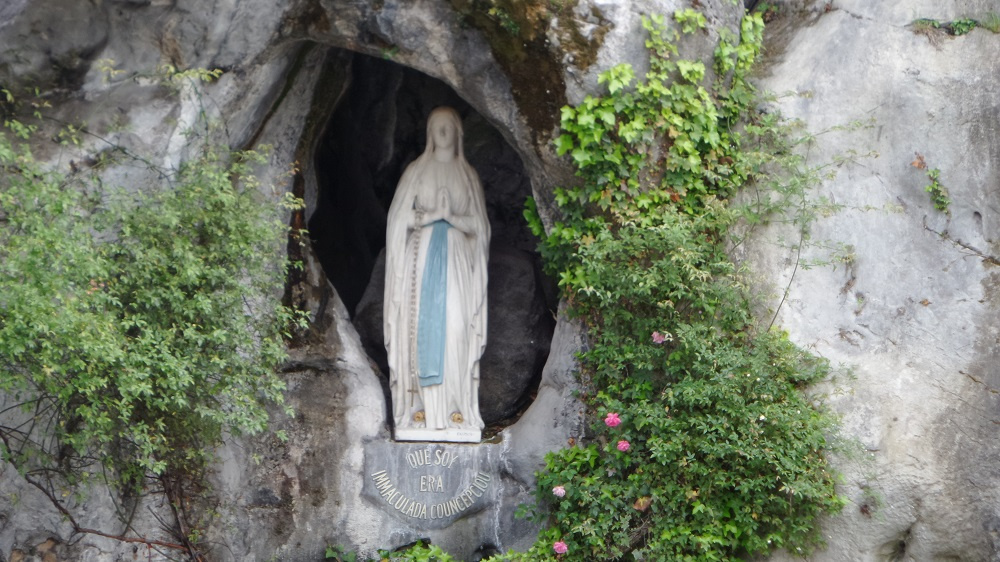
x=516, y=32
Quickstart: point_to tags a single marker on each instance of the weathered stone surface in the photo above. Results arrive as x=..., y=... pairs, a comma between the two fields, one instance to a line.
x=292, y=498
x=908, y=306
x=368, y=319
x=555, y=416
x=520, y=329
x=50, y=43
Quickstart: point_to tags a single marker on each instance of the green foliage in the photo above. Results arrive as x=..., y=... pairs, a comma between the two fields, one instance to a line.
x=690, y=20
x=389, y=52
x=135, y=326
x=718, y=455
x=339, y=554
x=962, y=26
x=417, y=553
x=939, y=193
x=767, y=10
x=506, y=21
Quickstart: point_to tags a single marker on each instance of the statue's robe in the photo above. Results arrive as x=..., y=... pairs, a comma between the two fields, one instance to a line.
x=435, y=292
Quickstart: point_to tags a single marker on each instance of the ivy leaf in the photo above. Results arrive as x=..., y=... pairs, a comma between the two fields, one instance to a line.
x=564, y=144
x=582, y=157
x=607, y=115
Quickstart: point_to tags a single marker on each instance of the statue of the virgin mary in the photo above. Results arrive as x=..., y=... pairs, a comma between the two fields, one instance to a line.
x=437, y=243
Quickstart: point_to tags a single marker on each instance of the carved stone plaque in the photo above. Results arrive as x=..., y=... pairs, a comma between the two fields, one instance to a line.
x=430, y=485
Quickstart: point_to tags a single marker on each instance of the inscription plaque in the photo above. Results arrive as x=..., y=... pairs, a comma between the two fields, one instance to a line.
x=430, y=485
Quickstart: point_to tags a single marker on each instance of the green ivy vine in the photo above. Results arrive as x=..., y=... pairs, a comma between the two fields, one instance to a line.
x=703, y=445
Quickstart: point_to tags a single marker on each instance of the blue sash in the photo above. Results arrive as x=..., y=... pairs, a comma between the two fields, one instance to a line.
x=433, y=308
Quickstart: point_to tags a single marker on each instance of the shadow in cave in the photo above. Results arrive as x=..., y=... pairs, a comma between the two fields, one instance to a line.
x=375, y=131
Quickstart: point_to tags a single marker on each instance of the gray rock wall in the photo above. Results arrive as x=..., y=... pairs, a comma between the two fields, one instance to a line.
x=908, y=303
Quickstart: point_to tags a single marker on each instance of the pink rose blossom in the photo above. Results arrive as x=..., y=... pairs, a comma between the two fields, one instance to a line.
x=612, y=420
x=659, y=338
x=623, y=445
x=560, y=547
x=559, y=491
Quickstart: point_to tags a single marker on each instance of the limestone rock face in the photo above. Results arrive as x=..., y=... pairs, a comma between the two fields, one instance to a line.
x=908, y=304
x=53, y=45
x=290, y=498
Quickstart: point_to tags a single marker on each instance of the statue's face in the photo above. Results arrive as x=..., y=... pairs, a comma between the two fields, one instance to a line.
x=444, y=134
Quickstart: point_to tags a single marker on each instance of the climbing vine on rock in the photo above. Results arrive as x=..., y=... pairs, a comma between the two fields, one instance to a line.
x=938, y=193
x=703, y=445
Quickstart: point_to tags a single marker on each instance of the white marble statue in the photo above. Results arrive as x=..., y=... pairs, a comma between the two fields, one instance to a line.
x=437, y=243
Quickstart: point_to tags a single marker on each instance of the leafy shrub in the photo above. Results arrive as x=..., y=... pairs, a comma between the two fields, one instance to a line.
x=135, y=327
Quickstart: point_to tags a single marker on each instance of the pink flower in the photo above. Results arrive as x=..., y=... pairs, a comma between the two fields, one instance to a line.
x=659, y=338
x=560, y=547
x=559, y=491
x=612, y=420
x=623, y=445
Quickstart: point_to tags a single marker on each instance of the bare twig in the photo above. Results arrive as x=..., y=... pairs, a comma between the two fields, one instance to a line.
x=992, y=260
x=79, y=529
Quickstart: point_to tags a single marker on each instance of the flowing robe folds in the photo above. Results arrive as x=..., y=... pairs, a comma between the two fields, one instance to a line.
x=435, y=295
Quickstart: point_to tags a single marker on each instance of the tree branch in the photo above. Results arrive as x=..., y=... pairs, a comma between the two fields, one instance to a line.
x=79, y=529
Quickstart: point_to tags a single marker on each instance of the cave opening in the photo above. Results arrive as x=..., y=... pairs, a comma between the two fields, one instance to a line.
x=376, y=128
